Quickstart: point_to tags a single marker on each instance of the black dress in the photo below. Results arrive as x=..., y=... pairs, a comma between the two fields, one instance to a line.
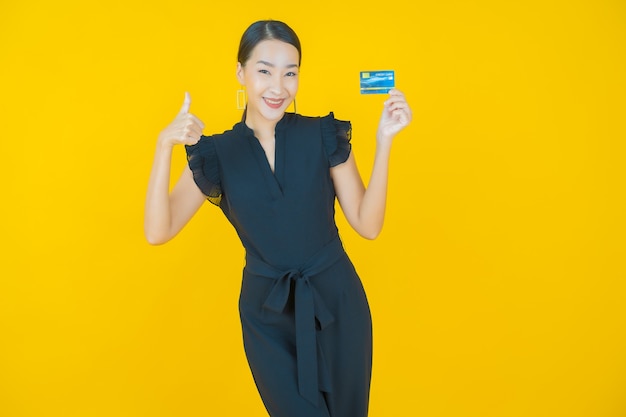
x=305, y=318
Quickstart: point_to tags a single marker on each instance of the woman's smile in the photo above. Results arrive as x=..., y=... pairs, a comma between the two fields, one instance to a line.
x=274, y=103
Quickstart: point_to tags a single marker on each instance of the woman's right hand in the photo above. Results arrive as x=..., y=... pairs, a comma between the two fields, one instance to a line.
x=185, y=129
x=166, y=212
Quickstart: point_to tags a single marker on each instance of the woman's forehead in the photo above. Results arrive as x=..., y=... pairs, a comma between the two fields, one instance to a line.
x=275, y=52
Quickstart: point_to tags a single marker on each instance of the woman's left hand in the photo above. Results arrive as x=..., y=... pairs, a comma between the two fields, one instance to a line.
x=396, y=116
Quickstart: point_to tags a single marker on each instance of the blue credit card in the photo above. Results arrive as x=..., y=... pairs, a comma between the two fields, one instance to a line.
x=377, y=82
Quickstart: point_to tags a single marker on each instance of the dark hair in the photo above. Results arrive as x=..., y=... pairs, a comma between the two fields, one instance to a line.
x=265, y=30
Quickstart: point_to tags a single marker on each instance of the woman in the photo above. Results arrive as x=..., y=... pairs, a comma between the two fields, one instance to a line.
x=305, y=319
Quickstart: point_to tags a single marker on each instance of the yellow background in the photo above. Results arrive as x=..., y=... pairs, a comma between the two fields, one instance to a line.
x=497, y=286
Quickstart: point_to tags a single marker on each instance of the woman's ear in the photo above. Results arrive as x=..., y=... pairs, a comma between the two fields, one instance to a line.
x=240, y=73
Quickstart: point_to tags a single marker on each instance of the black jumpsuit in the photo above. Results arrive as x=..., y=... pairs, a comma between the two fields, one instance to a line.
x=305, y=318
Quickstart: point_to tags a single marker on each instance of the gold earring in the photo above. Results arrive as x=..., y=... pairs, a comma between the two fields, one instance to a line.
x=241, y=99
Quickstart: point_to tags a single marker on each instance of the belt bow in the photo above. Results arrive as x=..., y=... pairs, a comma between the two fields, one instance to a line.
x=309, y=311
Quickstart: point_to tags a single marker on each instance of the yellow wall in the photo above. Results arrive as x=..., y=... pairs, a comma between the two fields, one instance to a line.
x=497, y=286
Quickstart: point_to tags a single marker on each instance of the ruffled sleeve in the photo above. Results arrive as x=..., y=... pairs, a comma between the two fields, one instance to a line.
x=203, y=162
x=336, y=136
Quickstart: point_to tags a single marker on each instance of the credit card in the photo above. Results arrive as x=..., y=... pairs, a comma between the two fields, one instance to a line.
x=377, y=82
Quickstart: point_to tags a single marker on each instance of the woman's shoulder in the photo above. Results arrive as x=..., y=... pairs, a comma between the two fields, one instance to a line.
x=237, y=132
x=210, y=145
x=226, y=134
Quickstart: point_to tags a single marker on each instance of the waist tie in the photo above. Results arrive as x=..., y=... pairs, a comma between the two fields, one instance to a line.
x=309, y=306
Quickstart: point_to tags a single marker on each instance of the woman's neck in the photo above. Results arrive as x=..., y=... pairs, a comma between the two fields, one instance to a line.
x=260, y=125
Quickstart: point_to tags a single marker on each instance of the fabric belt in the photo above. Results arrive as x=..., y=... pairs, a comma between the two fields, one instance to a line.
x=313, y=374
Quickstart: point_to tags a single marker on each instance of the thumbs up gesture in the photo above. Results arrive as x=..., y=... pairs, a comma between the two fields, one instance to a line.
x=185, y=129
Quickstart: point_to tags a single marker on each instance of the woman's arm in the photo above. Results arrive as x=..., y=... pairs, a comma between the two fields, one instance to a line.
x=364, y=208
x=167, y=213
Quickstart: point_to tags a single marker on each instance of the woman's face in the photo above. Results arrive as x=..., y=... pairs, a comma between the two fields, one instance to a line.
x=271, y=79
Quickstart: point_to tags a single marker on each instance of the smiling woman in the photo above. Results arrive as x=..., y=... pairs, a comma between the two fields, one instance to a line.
x=497, y=286
x=305, y=316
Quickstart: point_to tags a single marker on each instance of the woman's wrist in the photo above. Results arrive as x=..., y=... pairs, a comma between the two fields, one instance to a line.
x=383, y=143
x=164, y=143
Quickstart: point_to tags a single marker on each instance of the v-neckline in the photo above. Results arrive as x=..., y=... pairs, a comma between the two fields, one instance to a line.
x=272, y=178
x=267, y=157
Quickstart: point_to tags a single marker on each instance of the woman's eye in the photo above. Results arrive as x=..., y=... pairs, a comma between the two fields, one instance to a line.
x=264, y=71
x=291, y=74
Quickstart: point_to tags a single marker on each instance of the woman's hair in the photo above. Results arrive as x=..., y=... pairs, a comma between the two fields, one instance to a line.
x=266, y=30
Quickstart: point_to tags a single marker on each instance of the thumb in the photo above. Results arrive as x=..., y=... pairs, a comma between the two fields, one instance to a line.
x=185, y=108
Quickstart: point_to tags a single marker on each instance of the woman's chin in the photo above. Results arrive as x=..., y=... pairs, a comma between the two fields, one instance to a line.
x=273, y=114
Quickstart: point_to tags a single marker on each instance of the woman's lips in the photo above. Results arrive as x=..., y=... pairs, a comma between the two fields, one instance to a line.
x=274, y=103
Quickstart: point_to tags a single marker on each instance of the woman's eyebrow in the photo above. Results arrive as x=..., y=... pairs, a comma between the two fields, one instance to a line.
x=269, y=64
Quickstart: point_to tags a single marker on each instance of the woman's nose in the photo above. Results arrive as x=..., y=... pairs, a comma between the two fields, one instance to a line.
x=277, y=85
